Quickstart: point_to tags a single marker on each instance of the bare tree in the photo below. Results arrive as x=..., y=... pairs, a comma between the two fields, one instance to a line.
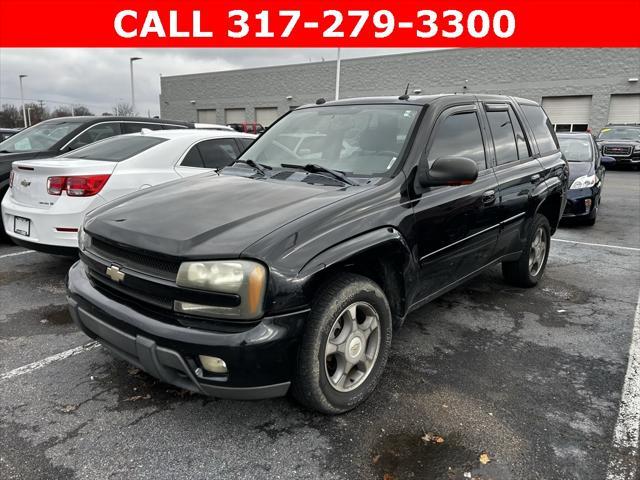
x=36, y=112
x=81, y=110
x=61, y=112
x=10, y=116
x=123, y=110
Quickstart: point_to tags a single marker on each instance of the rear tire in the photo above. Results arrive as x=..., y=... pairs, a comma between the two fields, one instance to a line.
x=529, y=268
x=345, y=345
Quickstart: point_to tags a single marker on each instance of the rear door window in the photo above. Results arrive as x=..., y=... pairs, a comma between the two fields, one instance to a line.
x=459, y=136
x=97, y=132
x=135, y=127
x=542, y=128
x=116, y=149
x=218, y=153
x=193, y=158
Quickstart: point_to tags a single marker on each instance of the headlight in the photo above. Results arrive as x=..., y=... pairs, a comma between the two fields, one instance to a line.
x=584, y=181
x=84, y=240
x=636, y=148
x=244, y=278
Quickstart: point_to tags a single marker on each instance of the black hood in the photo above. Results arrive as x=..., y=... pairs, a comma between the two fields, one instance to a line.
x=209, y=215
x=578, y=169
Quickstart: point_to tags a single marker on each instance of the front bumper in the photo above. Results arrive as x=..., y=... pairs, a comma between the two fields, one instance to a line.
x=576, y=206
x=260, y=359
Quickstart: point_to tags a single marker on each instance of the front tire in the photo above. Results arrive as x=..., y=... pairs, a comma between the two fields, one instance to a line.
x=529, y=268
x=345, y=345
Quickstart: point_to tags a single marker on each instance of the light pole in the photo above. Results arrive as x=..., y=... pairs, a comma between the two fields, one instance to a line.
x=133, y=96
x=24, y=112
x=338, y=76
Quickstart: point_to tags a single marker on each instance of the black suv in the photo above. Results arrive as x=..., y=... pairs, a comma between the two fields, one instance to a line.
x=622, y=142
x=60, y=135
x=290, y=269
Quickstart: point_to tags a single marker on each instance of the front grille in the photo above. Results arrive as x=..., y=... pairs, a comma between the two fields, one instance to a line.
x=617, y=150
x=141, y=262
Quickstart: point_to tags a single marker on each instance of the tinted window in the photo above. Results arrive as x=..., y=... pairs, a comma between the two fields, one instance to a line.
x=135, y=127
x=116, y=149
x=459, y=136
x=576, y=149
x=41, y=136
x=245, y=142
x=521, y=140
x=193, y=158
x=542, y=128
x=218, y=153
x=504, y=139
x=95, y=133
x=171, y=127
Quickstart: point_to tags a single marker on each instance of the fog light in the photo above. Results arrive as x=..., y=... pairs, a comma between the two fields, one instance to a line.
x=587, y=204
x=213, y=364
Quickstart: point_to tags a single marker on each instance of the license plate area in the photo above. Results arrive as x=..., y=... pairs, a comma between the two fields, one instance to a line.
x=22, y=226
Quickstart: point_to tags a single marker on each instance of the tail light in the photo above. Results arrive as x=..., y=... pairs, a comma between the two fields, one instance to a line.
x=11, y=179
x=77, y=186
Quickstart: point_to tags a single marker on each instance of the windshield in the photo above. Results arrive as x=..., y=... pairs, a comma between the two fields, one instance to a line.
x=359, y=140
x=116, y=149
x=39, y=137
x=575, y=149
x=619, y=133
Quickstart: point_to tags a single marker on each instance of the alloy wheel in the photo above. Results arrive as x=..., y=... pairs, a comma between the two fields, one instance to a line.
x=352, y=348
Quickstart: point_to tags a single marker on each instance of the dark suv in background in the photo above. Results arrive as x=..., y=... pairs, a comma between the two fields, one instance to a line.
x=288, y=271
x=622, y=142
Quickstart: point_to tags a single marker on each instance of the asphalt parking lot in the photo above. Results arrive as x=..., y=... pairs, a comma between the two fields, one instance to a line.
x=533, y=378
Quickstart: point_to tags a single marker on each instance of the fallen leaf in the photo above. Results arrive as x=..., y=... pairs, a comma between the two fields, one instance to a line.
x=376, y=459
x=431, y=437
x=135, y=398
x=388, y=476
x=484, y=458
x=133, y=371
x=69, y=408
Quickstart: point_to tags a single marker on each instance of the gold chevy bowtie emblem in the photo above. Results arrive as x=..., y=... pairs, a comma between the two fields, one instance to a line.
x=114, y=273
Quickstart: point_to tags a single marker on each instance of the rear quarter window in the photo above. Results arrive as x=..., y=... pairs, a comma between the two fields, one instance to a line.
x=116, y=149
x=542, y=128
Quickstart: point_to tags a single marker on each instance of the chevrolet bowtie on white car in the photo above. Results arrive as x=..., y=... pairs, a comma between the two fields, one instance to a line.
x=48, y=198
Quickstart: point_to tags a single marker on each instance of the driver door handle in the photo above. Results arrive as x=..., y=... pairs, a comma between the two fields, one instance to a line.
x=535, y=178
x=489, y=197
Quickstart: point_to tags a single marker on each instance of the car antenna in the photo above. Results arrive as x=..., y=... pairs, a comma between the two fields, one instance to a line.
x=320, y=101
x=406, y=94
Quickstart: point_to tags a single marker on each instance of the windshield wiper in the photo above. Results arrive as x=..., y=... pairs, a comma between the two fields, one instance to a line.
x=259, y=167
x=315, y=168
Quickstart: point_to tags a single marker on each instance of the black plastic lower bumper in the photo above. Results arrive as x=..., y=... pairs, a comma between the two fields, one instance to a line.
x=260, y=360
x=576, y=206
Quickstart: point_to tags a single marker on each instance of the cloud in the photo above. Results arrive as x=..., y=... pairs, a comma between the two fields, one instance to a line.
x=99, y=78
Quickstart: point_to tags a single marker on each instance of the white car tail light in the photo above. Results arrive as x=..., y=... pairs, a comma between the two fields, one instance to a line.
x=77, y=186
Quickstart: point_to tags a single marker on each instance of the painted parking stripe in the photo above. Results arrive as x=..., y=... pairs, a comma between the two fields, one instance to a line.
x=15, y=254
x=46, y=361
x=633, y=249
x=623, y=463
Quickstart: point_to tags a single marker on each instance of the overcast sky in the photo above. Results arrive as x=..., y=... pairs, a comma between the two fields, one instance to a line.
x=99, y=78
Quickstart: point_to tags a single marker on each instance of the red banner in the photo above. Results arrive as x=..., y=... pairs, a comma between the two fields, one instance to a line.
x=327, y=23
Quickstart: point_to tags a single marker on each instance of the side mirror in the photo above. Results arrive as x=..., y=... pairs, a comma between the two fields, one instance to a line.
x=450, y=171
x=608, y=161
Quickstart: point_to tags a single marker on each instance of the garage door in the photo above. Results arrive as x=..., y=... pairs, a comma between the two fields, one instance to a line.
x=266, y=116
x=624, y=109
x=207, y=116
x=568, y=113
x=234, y=115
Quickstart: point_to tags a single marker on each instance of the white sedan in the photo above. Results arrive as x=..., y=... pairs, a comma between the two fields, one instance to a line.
x=47, y=199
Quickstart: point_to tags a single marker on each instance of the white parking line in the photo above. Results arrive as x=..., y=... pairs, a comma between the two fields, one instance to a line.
x=46, y=361
x=633, y=249
x=15, y=254
x=623, y=463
